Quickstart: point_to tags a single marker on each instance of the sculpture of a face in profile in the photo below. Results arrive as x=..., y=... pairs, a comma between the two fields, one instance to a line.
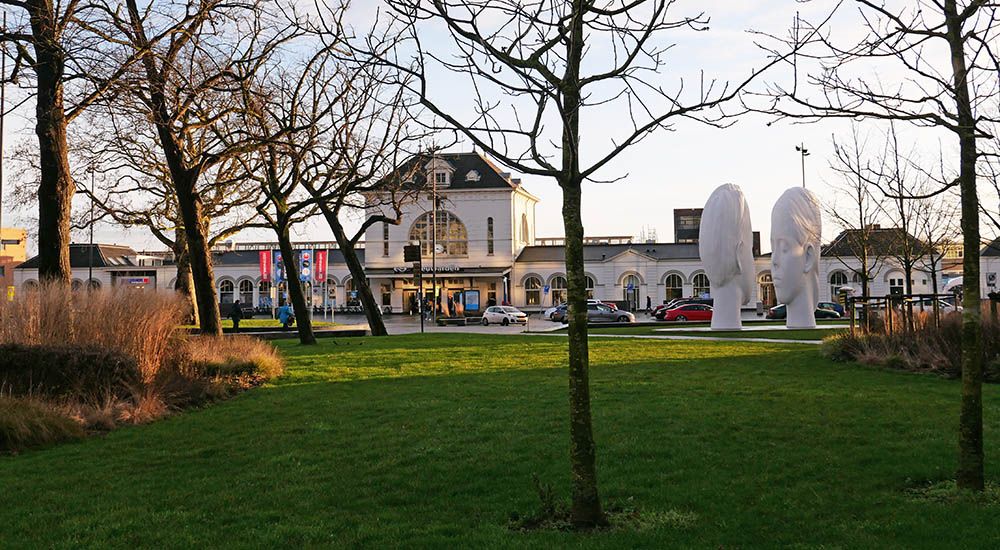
x=725, y=244
x=796, y=231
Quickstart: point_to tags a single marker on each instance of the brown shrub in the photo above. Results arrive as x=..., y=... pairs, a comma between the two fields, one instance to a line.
x=28, y=423
x=927, y=348
x=233, y=356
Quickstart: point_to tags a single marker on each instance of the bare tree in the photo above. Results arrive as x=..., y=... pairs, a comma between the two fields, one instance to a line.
x=190, y=84
x=61, y=54
x=535, y=70
x=945, y=52
x=858, y=246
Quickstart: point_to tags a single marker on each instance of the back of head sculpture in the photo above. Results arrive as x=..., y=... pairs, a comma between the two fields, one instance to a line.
x=725, y=240
x=796, y=232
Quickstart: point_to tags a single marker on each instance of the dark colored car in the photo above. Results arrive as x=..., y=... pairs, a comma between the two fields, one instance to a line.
x=596, y=313
x=832, y=306
x=779, y=312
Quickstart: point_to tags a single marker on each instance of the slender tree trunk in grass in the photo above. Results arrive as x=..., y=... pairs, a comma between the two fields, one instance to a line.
x=586, y=508
x=56, y=186
x=373, y=313
x=970, y=432
x=303, y=320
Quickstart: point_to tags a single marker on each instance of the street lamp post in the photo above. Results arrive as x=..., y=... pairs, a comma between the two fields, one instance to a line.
x=90, y=247
x=803, y=152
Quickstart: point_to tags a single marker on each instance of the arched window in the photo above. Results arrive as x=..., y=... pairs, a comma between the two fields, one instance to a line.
x=630, y=291
x=837, y=280
x=524, y=229
x=590, y=287
x=674, y=286
x=489, y=236
x=93, y=285
x=264, y=294
x=30, y=286
x=246, y=292
x=452, y=238
x=701, y=285
x=226, y=291
x=76, y=285
x=532, y=291
x=766, y=283
x=558, y=289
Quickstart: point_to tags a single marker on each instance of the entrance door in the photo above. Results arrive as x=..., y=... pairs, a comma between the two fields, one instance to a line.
x=410, y=301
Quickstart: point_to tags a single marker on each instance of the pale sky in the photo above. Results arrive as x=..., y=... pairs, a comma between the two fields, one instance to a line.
x=668, y=170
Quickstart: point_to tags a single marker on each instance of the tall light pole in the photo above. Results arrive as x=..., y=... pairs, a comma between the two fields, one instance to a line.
x=3, y=109
x=803, y=152
x=90, y=247
x=434, y=208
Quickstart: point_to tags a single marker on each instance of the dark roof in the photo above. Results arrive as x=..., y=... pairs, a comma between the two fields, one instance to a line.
x=889, y=241
x=599, y=252
x=104, y=255
x=491, y=176
x=252, y=257
x=992, y=249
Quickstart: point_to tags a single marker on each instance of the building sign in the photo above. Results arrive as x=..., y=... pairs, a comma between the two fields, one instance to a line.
x=428, y=269
x=471, y=300
x=265, y=265
x=320, y=265
x=10, y=294
x=305, y=265
x=135, y=280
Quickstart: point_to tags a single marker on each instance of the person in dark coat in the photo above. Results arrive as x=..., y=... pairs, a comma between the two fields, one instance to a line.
x=236, y=314
x=649, y=305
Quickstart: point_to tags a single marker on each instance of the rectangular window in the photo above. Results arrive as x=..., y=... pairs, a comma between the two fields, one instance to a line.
x=385, y=239
x=386, y=295
x=489, y=236
x=440, y=178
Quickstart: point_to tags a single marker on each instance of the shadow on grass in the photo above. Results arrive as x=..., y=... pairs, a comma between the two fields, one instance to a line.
x=386, y=444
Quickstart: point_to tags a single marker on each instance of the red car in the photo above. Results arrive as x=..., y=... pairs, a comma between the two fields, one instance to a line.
x=689, y=312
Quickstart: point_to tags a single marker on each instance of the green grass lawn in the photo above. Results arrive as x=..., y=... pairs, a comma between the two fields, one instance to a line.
x=804, y=334
x=432, y=440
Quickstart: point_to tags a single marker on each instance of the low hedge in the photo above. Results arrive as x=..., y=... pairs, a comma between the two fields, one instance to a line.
x=65, y=371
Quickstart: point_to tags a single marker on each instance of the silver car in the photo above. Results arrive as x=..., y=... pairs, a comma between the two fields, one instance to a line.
x=598, y=313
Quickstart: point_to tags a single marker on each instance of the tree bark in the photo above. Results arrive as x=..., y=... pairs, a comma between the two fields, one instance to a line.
x=970, y=438
x=303, y=317
x=185, y=280
x=56, y=186
x=373, y=312
x=199, y=254
x=585, y=511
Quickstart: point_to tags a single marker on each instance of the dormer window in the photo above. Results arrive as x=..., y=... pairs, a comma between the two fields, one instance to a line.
x=441, y=179
x=472, y=176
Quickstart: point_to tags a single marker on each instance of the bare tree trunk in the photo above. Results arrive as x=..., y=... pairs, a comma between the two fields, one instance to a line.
x=185, y=280
x=586, y=508
x=303, y=317
x=199, y=255
x=373, y=312
x=970, y=438
x=56, y=188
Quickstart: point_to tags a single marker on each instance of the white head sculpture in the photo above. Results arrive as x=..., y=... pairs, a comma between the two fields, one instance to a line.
x=796, y=231
x=725, y=244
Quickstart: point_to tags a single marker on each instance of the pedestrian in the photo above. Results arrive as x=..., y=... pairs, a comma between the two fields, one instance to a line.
x=649, y=305
x=236, y=314
x=285, y=316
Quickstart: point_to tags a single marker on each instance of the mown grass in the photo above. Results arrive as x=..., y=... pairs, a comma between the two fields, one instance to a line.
x=803, y=334
x=432, y=440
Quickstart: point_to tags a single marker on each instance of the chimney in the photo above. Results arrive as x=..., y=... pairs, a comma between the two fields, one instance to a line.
x=756, y=244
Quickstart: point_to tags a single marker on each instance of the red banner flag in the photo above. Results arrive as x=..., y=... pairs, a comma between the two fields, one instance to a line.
x=319, y=265
x=265, y=265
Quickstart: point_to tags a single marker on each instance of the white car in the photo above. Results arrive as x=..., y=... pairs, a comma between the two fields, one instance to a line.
x=504, y=315
x=547, y=314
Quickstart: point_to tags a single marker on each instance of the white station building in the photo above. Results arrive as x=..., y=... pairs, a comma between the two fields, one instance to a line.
x=487, y=252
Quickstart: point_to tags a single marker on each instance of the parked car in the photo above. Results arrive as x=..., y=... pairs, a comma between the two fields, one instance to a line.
x=832, y=306
x=504, y=315
x=689, y=312
x=596, y=313
x=928, y=304
x=547, y=314
x=779, y=312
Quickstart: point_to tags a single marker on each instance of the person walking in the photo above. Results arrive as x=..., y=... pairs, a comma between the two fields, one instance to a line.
x=649, y=305
x=236, y=314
